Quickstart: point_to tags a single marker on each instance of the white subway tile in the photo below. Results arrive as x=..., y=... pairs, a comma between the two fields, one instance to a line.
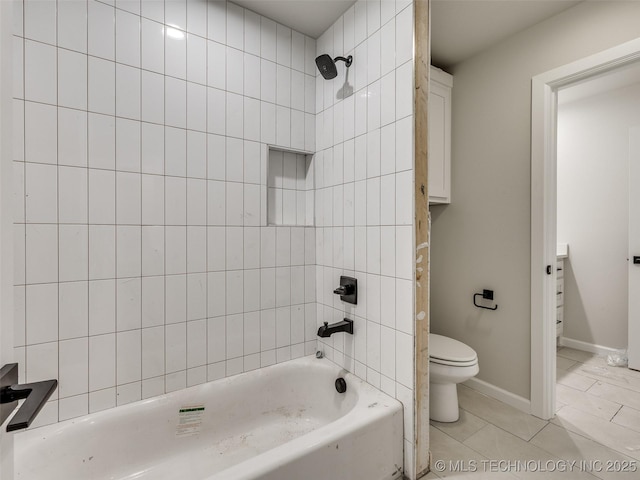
x=152, y=45
x=102, y=197
x=73, y=304
x=373, y=153
x=216, y=203
x=128, y=92
x=197, y=345
x=128, y=198
x=175, y=12
x=102, y=86
x=373, y=345
x=152, y=10
x=175, y=102
x=72, y=137
x=176, y=299
x=101, y=28
x=152, y=251
x=196, y=249
x=152, y=302
x=360, y=22
x=197, y=300
x=72, y=79
x=127, y=38
x=404, y=36
x=234, y=115
x=128, y=356
x=102, y=362
x=373, y=250
x=175, y=250
x=235, y=26
x=41, y=193
x=283, y=126
x=268, y=47
x=404, y=144
x=404, y=198
x=102, y=307
x=196, y=59
x=40, y=21
x=388, y=149
x=41, y=313
x=72, y=25
x=235, y=338
x=196, y=107
x=102, y=141
x=152, y=149
x=153, y=352
x=175, y=152
x=102, y=252
x=268, y=123
x=40, y=142
x=252, y=119
x=196, y=202
x=216, y=113
x=128, y=304
x=128, y=251
x=388, y=200
x=127, y=145
x=283, y=45
x=197, y=17
x=42, y=364
x=73, y=255
x=175, y=52
x=40, y=72
x=404, y=90
x=217, y=21
x=196, y=154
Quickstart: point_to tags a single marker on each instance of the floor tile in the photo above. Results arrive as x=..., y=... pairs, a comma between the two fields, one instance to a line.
x=628, y=417
x=504, y=416
x=575, y=448
x=623, y=377
x=453, y=460
x=586, y=402
x=467, y=425
x=616, y=437
x=615, y=393
x=574, y=380
x=564, y=363
x=525, y=460
x=579, y=355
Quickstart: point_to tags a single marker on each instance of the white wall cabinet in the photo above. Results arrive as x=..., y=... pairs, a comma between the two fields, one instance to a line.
x=440, y=137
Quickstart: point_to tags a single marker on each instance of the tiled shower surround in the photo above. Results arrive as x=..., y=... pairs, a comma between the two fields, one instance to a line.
x=364, y=197
x=144, y=263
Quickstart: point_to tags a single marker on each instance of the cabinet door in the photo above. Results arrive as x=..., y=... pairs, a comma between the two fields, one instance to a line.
x=439, y=143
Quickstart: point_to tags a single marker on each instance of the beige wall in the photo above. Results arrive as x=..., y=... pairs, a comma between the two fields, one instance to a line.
x=593, y=177
x=482, y=240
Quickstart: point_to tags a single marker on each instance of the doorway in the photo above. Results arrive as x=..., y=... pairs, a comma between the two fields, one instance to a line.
x=545, y=88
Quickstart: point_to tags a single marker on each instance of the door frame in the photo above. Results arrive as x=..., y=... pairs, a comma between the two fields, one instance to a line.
x=544, y=112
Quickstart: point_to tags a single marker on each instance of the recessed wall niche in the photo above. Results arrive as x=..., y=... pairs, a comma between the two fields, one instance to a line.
x=290, y=188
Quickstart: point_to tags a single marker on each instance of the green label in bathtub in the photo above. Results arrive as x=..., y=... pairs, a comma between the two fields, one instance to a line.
x=189, y=420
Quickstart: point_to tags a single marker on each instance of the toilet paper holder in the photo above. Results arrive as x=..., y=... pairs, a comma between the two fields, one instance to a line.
x=486, y=295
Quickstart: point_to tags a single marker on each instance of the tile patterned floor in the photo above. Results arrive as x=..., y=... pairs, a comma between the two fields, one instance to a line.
x=595, y=433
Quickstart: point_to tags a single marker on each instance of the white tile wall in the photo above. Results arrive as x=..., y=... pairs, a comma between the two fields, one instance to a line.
x=143, y=259
x=364, y=191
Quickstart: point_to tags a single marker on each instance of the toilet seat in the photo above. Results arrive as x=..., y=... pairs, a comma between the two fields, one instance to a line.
x=450, y=352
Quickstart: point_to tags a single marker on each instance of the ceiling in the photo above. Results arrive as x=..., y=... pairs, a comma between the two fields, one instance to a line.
x=311, y=17
x=461, y=29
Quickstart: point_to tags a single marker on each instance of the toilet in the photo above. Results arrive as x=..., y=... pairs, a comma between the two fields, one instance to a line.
x=450, y=362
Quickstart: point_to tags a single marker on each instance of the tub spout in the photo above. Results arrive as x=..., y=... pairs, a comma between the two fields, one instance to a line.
x=36, y=395
x=327, y=330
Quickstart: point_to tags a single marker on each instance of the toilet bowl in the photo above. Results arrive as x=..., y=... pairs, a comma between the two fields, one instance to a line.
x=450, y=362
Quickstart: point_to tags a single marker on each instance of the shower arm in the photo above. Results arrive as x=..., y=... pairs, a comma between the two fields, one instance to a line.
x=347, y=60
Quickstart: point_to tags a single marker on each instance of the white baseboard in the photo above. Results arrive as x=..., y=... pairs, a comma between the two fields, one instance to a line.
x=516, y=401
x=586, y=347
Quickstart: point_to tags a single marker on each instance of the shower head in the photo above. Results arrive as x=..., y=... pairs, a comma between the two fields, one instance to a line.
x=327, y=65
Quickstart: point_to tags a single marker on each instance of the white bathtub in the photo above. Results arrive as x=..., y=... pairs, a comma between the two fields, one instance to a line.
x=284, y=422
